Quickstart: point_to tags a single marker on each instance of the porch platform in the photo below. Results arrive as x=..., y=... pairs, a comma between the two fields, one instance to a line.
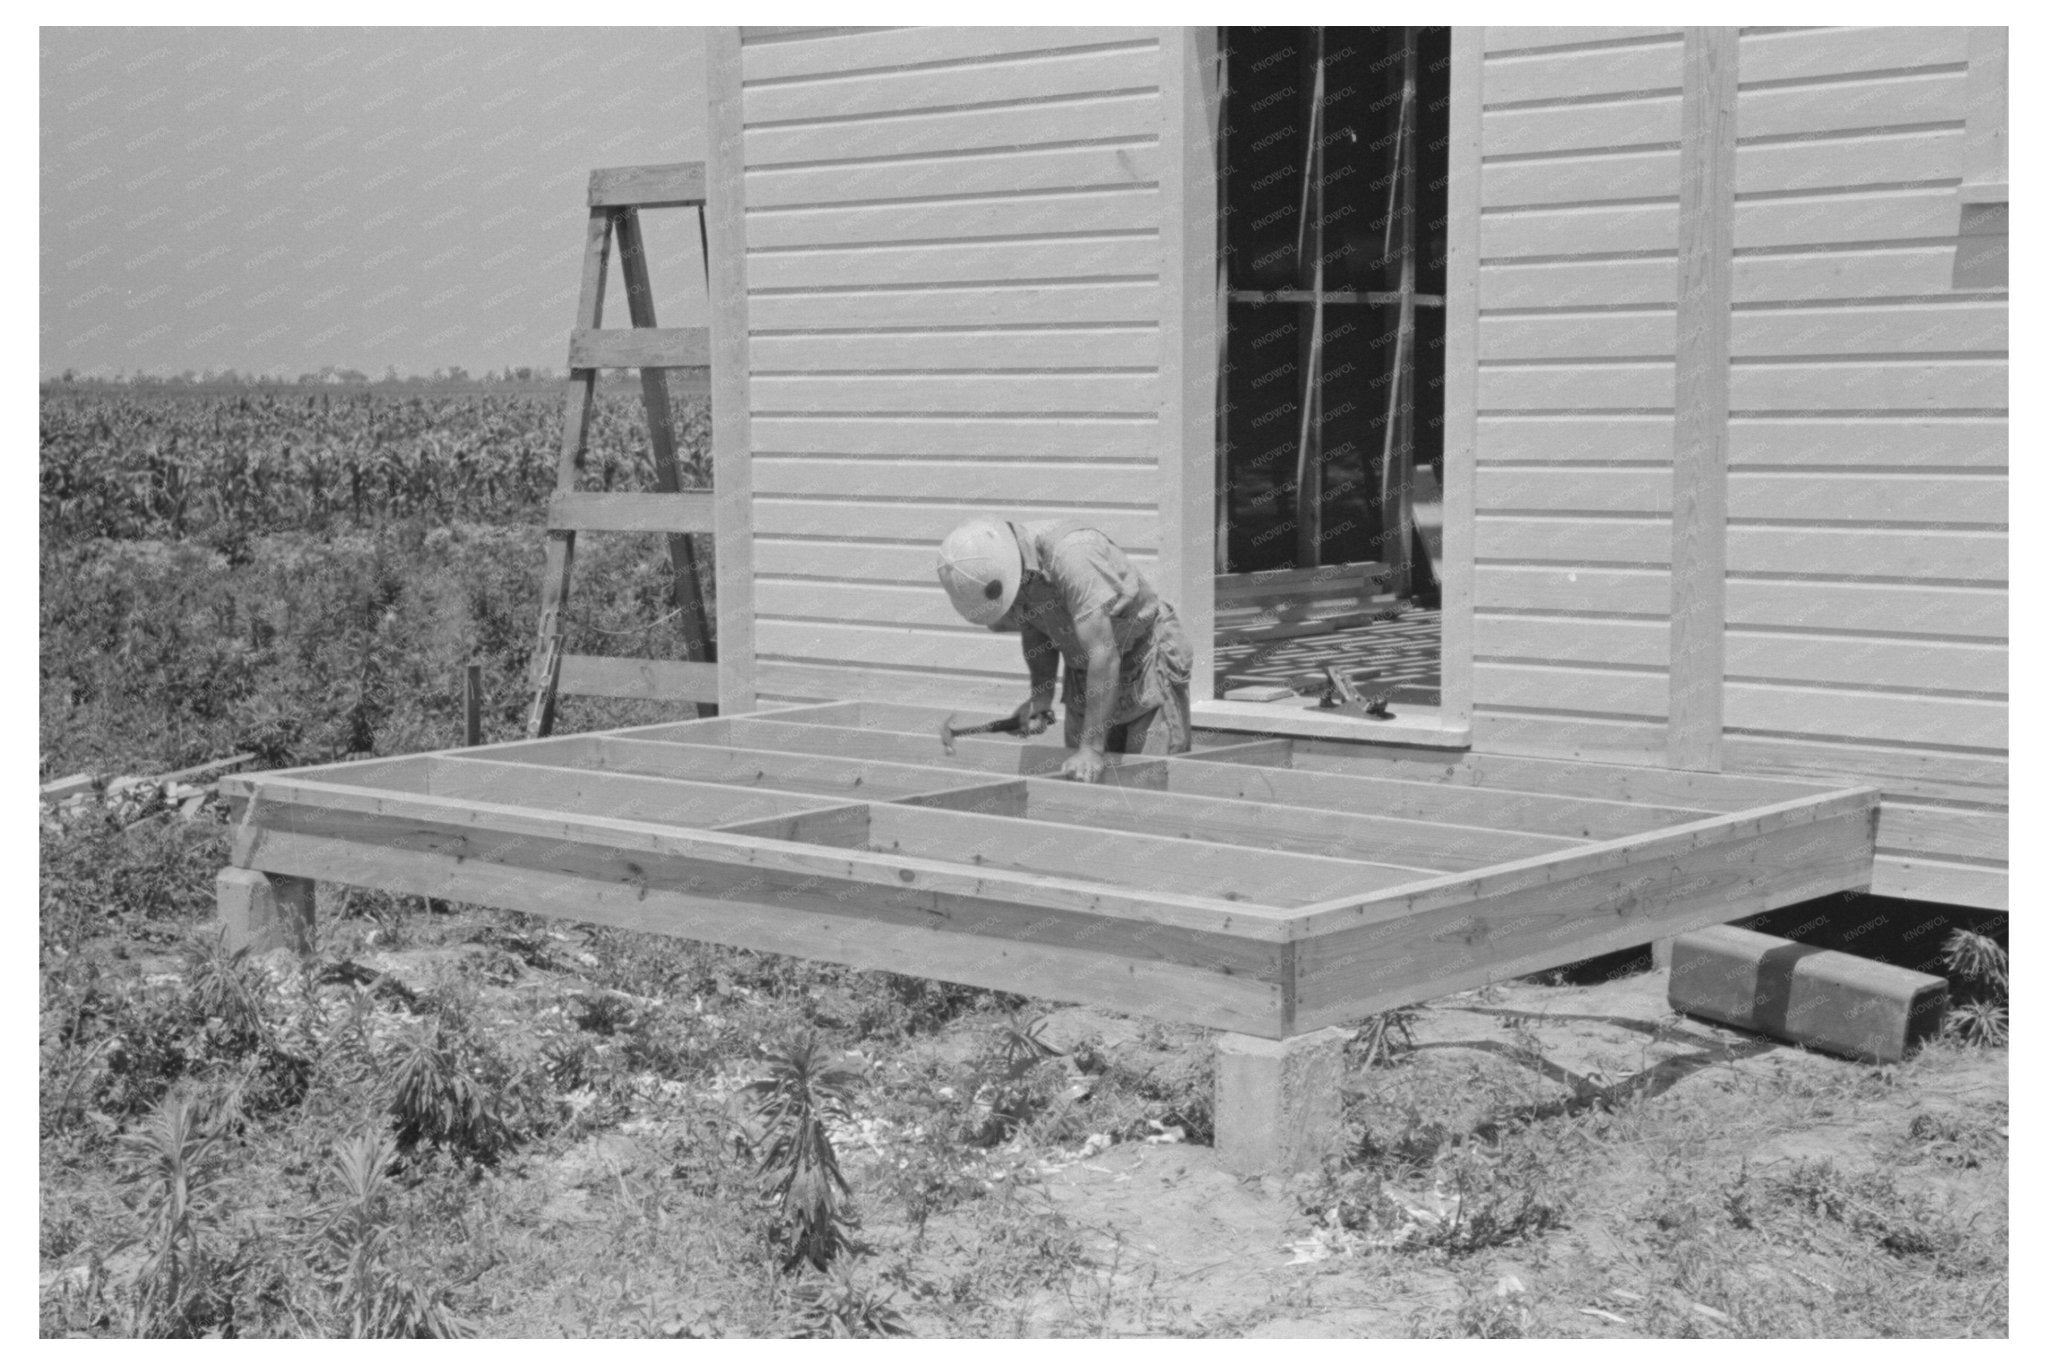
x=1269, y=887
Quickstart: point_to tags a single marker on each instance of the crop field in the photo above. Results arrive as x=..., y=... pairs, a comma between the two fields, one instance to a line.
x=455, y=1121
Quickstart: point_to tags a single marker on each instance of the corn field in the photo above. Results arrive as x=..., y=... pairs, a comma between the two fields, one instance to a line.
x=141, y=465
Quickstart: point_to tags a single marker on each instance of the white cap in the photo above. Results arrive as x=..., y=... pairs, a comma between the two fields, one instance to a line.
x=980, y=567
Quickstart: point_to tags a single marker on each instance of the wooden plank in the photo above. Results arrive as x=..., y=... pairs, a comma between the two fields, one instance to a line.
x=1699, y=476
x=874, y=561
x=1506, y=38
x=1611, y=438
x=1078, y=394
x=1140, y=861
x=1625, y=694
x=1566, y=734
x=732, y=445
x=1052, y=259
x=1573, y=540
x=1790, y=276
x=673, y=512
x=1330, y=778
x=1407, y=946
x=1135, y=163
x=1572, y=639
x=1017, y=80
x=620, y=348
x=1901, y=497
x=1826, y=217
x=1091, y=117
x=1976, y=556
x=1815, y=54
x=1926, y=774
x=1943, y=832
x=1885, y=330
x=991, y=305
x=833, y=827
x=1192, y=327
x=1883, y=101
x=716, y=761
x=1626, y=592
x=910, y=435
x=1005, y=481
x=957, y=220
x=589, y=675
x=1892, y=608
x=1559, y=777
x=1886, y=717
x=1929, y=879
x=1651, y=67
x=927, y=523
x=573, y=790
x=844, y=54
x=1047, y=348
x=1870, y=386
x=1824, y=656
x=1915, y=442
x=648, y=187
x=707, y=859
x=1005, y=756
x=1205, y=820
x=1526, y=387
x=1575, y=490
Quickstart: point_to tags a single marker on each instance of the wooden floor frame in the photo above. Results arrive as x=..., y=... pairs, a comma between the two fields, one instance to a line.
x=1268, y=887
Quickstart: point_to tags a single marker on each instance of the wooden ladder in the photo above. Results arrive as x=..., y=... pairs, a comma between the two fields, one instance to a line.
x=717, y=666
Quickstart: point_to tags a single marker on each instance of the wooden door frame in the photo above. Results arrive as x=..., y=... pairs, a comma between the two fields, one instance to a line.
x=1191, y=326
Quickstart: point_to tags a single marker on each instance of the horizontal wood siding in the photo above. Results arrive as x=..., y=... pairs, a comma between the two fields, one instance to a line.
x=1572, y=534
x=1868, y=452
x=1867, y=496
x=953, y=261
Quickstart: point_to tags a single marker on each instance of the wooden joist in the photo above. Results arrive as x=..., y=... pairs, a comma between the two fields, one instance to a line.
x=1268, y=887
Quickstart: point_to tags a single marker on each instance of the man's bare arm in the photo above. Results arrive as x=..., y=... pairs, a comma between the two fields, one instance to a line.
x=1042, y=658
x=1103, y=665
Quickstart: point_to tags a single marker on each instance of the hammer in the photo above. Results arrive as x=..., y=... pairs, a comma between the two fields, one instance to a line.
x=949, y=731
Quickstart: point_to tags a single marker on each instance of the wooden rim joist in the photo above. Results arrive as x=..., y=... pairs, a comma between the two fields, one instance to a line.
x=1269, y=887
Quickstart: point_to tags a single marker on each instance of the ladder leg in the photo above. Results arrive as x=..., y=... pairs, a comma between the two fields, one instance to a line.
x=698, y=642
x=581, y=397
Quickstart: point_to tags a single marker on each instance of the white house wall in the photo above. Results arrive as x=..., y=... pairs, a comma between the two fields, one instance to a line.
x=953, y=283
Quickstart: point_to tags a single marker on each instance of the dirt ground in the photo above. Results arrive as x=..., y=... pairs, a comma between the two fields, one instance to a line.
x=1176, y=1245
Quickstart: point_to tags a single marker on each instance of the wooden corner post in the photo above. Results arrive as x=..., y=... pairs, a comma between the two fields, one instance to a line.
x=1699, y=467
x=732, y=473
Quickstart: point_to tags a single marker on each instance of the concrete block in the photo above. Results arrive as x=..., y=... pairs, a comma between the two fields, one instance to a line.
x=260, y=912
x=1835, y=1002
x=1279, y=1104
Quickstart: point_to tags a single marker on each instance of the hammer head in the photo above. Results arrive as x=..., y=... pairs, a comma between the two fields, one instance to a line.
x=946, y=732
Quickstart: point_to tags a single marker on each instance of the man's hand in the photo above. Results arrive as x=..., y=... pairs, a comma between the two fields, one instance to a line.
x=1032, y=719
x=1084, y=765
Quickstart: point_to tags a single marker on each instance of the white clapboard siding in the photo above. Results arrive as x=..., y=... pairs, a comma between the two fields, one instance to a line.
x=1014, y=79
x=1061, y=258
x=1882, y=330
x=1896, y=607
x=1533, y=387
x=1134, y=161
x=1867, y=496
x=1973, y=443
x=1560, y=637
x=872, y=561
x=1879, y=101
x=1078, y=439
x=1046, y=348
x=1573, y=438
x=1842, y=161
x=1572, y=540
x=1009, y=481
x=1954, y=500
x=1597, y=592
x=1089, y=118
x=841, y=54
x=1008, y=305
x=1776, y=277
x=1099, y=211
x=954, y=305
x=1608, y=691
x=1828, y=218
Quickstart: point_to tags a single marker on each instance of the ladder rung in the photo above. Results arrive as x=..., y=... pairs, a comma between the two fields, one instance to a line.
x=647, y=187
x=672, y=512
x=593, y=675
x=632, y=348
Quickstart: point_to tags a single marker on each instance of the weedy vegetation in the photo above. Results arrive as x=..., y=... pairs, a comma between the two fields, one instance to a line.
x=450, y=1121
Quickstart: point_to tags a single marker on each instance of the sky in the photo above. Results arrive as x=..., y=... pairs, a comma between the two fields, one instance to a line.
x=275, y=201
